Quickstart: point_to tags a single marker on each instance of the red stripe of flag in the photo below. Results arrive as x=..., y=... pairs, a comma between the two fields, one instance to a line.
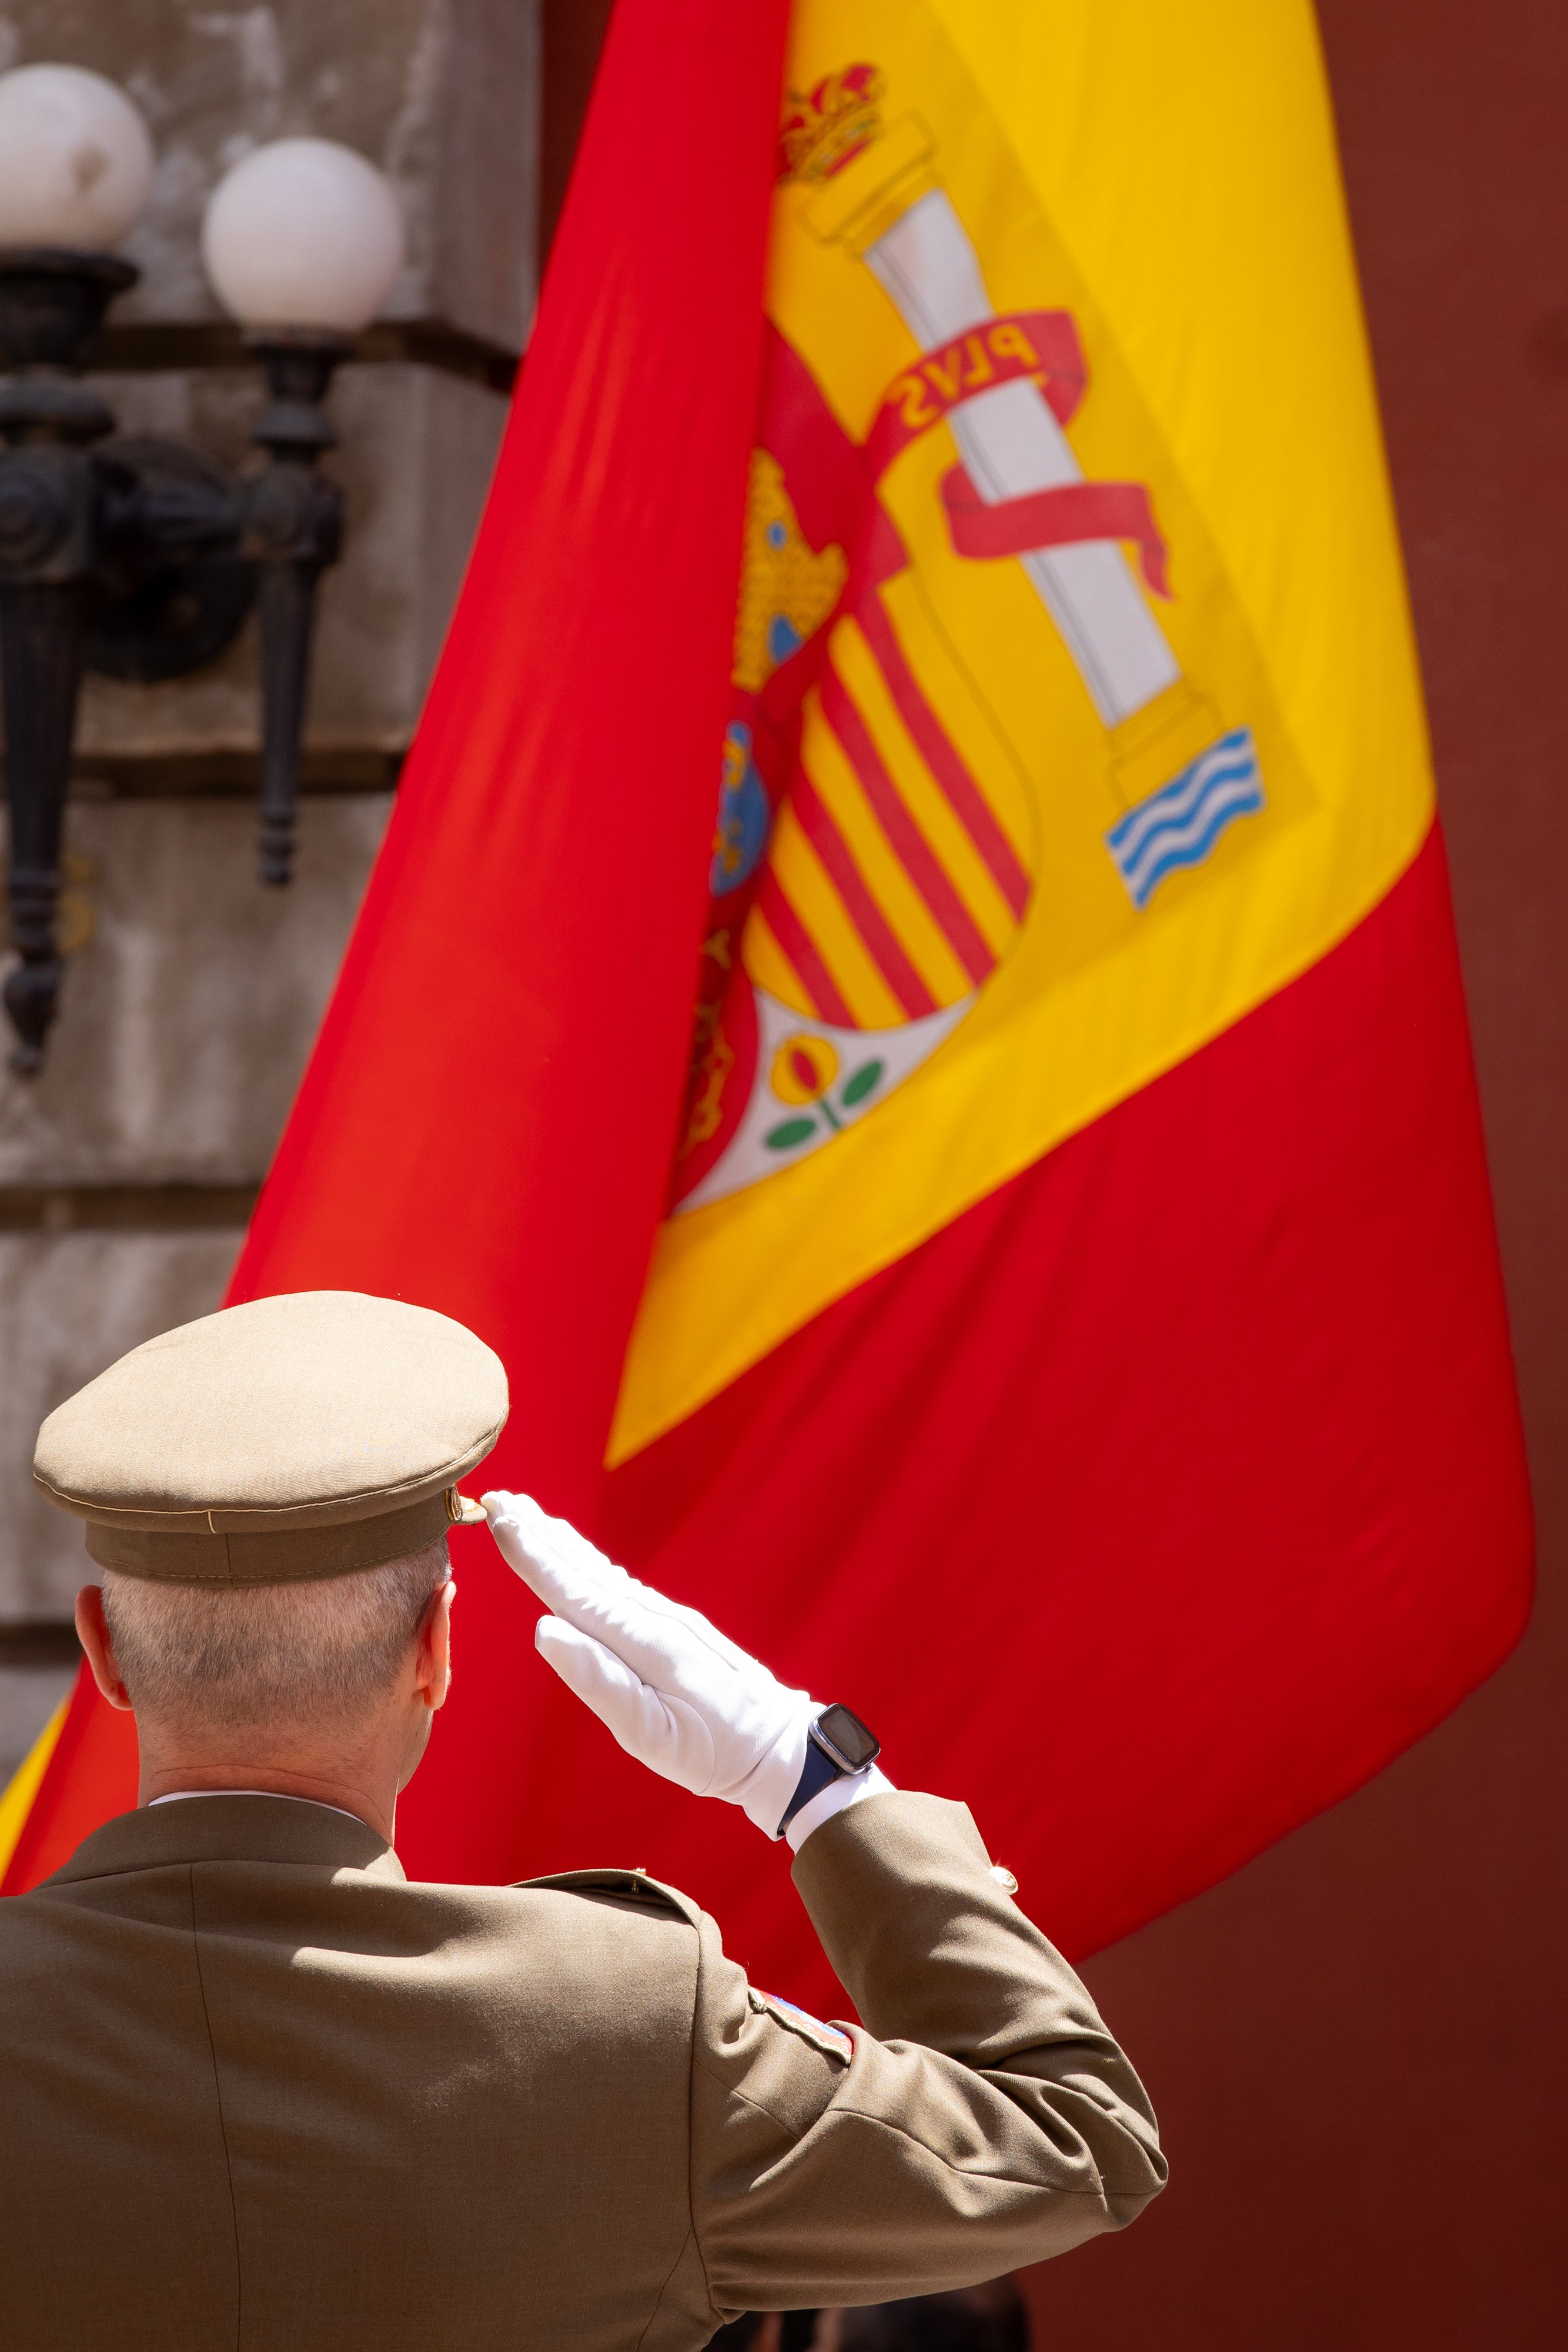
x=797, y=943
x=1306, y=1366
x=936, y=747
x=593, y=575
x=962, y=931
x=817, y=825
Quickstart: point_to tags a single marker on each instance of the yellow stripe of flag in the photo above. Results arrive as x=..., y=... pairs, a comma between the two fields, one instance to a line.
x=17, y=1801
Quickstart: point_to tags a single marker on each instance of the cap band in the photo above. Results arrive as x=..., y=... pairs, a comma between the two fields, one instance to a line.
x=295, y=1554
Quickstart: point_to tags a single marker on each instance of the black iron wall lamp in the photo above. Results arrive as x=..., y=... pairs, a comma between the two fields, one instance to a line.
x=139, y=558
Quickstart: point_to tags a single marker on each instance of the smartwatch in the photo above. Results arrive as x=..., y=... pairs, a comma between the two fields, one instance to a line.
x=837, y=1745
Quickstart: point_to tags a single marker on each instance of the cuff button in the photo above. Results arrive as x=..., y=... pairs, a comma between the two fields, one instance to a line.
x=1004, y=1878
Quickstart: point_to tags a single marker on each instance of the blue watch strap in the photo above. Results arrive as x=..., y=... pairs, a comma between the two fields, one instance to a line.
x=818, y=1773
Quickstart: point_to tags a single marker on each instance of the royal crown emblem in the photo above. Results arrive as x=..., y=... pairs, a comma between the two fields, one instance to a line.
x=836, y=119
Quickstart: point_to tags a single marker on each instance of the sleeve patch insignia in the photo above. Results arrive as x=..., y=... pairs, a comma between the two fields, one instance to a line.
x=830, y=2039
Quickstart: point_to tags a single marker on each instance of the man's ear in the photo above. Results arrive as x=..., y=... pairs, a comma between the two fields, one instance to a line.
x=92, y=1633
x=432, y=1666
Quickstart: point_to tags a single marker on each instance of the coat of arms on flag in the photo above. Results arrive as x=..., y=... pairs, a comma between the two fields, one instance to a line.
x=1009, y=797
x=880, y=829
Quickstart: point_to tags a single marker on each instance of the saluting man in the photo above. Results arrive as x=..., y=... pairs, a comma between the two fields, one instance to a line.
x=256, y=2090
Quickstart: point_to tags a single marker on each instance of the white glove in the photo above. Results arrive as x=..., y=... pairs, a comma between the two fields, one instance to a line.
x=674, y=1693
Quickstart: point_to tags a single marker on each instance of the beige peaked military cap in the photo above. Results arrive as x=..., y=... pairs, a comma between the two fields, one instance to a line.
x=291, y=1438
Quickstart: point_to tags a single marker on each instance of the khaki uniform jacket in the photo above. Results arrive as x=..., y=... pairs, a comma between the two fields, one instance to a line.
x=258, y=2091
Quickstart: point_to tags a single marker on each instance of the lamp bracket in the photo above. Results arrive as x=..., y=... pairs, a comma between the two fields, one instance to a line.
x=140, y=559
x=172, y=589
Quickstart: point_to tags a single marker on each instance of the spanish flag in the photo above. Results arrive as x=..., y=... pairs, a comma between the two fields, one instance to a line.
x=911, y=991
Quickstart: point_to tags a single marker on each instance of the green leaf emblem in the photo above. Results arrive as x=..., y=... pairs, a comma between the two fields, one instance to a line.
x=788, y=1131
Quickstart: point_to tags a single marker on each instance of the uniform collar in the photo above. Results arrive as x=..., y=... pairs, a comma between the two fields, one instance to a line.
x=231, y=1828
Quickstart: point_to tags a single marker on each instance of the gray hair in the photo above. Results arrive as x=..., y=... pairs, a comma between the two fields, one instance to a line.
x=235, y=1657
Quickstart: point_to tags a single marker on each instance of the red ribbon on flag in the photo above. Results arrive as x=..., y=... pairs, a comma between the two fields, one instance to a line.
x=1039, y=347
x=1057, y=518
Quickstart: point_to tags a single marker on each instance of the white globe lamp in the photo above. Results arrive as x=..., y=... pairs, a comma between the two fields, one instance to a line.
x=76, y=160
x=303, y=236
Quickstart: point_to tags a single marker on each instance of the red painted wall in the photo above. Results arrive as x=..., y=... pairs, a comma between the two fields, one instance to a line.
x=1357, y=2046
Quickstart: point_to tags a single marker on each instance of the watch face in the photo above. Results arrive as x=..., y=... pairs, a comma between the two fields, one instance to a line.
x=849, y=1738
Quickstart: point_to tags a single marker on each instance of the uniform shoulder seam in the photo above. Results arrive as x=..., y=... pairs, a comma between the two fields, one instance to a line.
x=629, y=1885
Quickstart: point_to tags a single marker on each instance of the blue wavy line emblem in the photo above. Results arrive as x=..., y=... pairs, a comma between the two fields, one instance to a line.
x=1182, y=823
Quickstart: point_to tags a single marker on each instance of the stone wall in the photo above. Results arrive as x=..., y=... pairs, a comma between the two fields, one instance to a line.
x=127, y=1169
x=443, y=94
